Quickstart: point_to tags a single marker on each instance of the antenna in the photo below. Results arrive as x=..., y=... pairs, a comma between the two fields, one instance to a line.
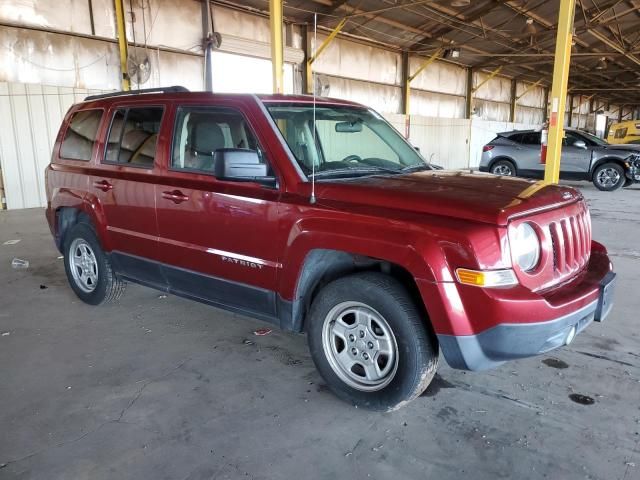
x=312, y=200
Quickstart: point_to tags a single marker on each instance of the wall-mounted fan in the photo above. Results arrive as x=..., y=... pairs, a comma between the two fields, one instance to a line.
x=138, y=66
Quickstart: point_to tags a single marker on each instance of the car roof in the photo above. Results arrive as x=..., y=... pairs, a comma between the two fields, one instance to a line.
x=173, y=94
x=513, y=132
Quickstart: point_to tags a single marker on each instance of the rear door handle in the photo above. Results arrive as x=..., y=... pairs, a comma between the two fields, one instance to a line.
x=176, y=196
x=103, y=185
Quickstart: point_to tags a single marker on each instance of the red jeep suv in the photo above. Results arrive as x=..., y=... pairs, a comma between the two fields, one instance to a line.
x=318, y=216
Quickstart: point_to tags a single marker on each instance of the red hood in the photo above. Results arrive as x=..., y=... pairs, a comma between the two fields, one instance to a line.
x=471, y=196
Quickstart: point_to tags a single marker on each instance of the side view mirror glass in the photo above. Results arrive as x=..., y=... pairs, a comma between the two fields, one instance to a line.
x=241, y=164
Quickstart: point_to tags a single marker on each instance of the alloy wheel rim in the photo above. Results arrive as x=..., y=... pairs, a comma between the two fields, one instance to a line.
x=503, y=170
x=83, y=265
x=608, y=177
x=360, y=346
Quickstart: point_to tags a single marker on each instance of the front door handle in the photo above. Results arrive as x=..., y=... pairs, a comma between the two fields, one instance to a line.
x=103, y=185
x=176, y=196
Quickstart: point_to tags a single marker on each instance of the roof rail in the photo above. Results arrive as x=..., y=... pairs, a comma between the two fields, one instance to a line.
x=173, y=89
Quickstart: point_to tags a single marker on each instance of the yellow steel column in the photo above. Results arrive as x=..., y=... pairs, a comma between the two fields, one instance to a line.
x=317, y=50
x=277, y=49
x=559, y=90
x=122, y=43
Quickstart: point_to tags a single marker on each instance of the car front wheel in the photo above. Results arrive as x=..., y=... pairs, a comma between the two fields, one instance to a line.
x=608, y=177
x=504, y=168
x=370, y=343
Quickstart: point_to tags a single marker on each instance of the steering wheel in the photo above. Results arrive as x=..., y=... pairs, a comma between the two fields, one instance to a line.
x=351, y=158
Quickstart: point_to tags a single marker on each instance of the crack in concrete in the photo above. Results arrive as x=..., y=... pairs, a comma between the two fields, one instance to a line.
x=117, y=420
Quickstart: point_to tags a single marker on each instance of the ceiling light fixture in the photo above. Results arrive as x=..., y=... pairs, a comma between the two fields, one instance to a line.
x=460, y=3
x=602, y=64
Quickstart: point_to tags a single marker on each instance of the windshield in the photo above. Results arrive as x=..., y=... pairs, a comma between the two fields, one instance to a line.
x=348, y=140
x=597, y=140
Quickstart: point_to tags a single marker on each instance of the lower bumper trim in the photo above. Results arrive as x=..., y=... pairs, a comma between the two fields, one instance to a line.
x=510, y=341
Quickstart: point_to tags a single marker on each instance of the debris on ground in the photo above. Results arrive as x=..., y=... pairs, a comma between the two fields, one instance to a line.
x=162, y=297
x=246, y=341
x=19, y=263
x=261, y=332
x=43, y=287
x=5, y=334
x=60, y=257
x=11, y=242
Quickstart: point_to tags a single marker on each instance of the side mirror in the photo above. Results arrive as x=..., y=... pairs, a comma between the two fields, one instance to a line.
x=579, y=144
x=241, y=165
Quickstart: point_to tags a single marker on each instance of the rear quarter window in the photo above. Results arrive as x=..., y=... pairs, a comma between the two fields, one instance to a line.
x=80, y=136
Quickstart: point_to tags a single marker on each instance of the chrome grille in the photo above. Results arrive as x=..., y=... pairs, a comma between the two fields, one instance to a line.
x=571, y=240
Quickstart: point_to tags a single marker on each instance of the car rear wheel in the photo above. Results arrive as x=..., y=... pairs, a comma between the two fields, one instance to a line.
x=87, y=267
x=608, y=177
x=369, y=342
x=504, y=168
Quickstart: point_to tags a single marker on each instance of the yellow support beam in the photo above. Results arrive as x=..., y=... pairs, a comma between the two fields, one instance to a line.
x=559, y=90
x=319, y=50
x=529, y=88
x=411, y=78
x=122, y=43
x=482, y=83
x=277, y=45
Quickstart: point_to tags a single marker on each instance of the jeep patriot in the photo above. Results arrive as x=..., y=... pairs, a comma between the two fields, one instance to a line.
x=319, y=217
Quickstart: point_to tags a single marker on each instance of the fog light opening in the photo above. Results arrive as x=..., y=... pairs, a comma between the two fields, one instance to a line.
x=571, y=335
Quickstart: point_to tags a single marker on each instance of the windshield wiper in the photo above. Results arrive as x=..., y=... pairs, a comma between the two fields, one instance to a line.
x=355, y=170
x=416, y=168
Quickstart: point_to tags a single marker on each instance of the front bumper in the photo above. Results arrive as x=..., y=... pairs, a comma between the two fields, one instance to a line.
x=482, y=328
x=632, y=172
x=512, y=341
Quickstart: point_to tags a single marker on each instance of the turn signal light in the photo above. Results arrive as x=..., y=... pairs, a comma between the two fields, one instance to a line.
x=490, y=278
x=486, y=148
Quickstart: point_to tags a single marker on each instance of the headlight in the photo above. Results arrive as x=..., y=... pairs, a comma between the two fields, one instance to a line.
x=526, y=247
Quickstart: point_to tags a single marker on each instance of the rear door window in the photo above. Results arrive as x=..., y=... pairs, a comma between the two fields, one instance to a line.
x=133, y=136
x=80, y=136
x=532, y=138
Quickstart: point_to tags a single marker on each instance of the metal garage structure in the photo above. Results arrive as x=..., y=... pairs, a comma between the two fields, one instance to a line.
x=461, y=70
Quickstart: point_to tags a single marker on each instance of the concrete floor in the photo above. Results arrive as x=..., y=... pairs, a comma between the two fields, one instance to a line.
x=155, y=388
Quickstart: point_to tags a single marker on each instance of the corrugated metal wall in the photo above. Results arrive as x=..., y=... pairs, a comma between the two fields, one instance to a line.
x=31, y=117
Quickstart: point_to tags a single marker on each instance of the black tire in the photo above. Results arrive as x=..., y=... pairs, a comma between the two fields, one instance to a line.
x=107, y=287
x=501, y=167
x=602, y=177
x=417, y=348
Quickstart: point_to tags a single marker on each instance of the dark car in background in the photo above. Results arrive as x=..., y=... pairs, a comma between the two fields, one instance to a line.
x=584, y=157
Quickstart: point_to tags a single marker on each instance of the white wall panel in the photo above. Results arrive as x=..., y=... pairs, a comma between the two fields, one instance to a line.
x=431, y=104
x=67, y=15
x=497, y=89
x=31, y=115
x=240, y=24
x=491, y=111
x=383, y=98
x=48, y=58
x=529, y=116
x=251, y=75
x=532, y=98
x=439, y=77
x=353, y=60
